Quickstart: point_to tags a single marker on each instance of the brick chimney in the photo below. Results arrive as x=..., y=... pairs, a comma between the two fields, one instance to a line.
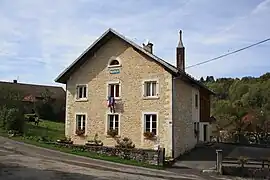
x=180, y=54
x=148, y=47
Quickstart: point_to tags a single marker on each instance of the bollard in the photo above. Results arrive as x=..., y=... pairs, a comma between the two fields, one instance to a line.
x=219, y=161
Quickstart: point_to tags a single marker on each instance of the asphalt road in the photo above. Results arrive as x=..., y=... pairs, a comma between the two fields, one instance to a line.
x=21, y=161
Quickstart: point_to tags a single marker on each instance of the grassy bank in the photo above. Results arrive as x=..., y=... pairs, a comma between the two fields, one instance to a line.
x=53, y=131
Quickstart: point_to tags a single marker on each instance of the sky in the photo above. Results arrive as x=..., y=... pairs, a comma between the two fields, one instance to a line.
x=40, y=38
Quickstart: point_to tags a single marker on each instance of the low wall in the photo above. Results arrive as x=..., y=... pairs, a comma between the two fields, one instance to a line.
x=149, y=156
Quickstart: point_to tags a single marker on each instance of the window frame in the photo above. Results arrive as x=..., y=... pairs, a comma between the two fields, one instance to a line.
x=144, y=114
x=77, y=93
x=109, y=90
x=107, y=123
x=111, y=60
x=85, y=126
x=144, y=91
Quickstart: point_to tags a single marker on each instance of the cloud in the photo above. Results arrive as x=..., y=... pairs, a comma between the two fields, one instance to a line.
x=44, y=37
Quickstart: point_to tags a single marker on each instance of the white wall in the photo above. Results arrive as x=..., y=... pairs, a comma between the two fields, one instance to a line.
x=209, y=132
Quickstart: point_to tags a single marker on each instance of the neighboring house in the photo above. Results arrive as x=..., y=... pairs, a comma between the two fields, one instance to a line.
x=150, y=95
x=32, y=93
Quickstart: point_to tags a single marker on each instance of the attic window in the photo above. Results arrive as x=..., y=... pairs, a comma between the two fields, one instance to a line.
x=114, y=63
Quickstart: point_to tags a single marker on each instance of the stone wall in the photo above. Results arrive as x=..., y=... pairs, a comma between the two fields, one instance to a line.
x=148, y=156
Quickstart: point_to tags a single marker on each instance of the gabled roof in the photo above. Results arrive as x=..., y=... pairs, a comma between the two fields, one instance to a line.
x=63, y=77
x=34, y=90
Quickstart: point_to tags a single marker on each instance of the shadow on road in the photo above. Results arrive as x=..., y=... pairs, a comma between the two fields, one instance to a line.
x=13, y=172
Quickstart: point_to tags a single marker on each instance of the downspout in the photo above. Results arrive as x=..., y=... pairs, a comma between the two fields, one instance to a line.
x=173, y=114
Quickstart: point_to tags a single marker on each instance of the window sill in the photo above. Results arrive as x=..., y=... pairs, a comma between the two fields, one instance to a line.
x=114, y=66
x=81, y=100
x=151, y=139
x=81, y=135
x=150, y=97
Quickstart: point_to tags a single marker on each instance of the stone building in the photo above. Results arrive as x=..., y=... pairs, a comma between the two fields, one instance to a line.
x=118, y=86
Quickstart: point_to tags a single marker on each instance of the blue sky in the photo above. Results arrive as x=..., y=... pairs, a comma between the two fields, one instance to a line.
x=39, y=38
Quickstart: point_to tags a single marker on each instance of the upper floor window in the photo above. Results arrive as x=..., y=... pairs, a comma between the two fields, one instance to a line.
x=196, y=101
x=81, y=92
x=114, y=90
x=114, y=62
x=150, y=89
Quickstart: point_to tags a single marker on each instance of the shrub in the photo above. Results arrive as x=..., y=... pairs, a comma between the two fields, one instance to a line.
x=95, y=141
x=149, y=135
x=13, y=119
x=3, y=116
x=112, y=132
x=125, y=143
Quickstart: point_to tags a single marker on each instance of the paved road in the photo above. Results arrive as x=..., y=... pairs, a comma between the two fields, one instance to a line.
x=22, y=161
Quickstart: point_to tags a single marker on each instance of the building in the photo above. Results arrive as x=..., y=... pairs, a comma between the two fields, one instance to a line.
x=150, y=95
x=30, y=94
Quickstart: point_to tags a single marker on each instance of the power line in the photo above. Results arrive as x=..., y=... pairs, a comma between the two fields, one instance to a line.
x=227, y=54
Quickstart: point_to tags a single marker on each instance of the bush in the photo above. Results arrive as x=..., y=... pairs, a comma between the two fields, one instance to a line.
x=14, y=120
x=125, y=143
x=95, y=141
x=3, y=116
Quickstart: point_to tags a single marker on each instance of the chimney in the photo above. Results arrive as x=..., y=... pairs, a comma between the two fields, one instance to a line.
x=148, y=47
x=15, y=81
x=180, y=54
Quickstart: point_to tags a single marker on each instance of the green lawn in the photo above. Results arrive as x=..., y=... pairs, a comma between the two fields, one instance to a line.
x=54, y=131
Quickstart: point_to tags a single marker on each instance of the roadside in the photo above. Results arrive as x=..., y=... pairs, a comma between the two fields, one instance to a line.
x=48, y=131
x=22, y=153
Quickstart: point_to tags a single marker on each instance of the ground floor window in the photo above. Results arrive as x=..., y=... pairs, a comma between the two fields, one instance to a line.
x=80, y=121
x=113, y=122
x=150, y=123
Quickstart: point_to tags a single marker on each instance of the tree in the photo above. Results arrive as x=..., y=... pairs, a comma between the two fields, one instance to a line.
x=44, y=107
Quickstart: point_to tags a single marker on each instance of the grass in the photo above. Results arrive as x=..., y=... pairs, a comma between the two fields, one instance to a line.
x=54, y=131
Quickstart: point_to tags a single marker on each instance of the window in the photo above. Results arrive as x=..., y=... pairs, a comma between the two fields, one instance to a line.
x=80, y=121
x=196, y=100
x=114, y=90
x=81, y=91
x=150, y=123
x=113, y=122
x=114, y=63
x=150, y=89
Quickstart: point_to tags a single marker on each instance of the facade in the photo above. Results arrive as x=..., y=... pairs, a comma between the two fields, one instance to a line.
x=145, y=94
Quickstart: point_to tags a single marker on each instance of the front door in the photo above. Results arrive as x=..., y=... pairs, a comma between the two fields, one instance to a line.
x=205, y=132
